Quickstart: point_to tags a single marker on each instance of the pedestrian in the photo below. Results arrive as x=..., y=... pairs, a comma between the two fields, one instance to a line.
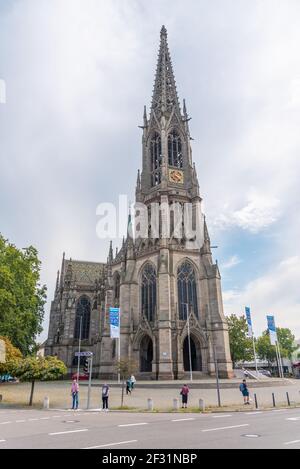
x=75, y=394
x=128, y=386
x=133, y=381
x=105, y=395
x=245, y=391
x=184, y=395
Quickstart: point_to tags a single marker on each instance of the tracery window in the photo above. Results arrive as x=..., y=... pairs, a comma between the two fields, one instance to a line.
x=83, y=311
x=148, y=291
x=156, y=159
x=175, y=150
x=117, y=287
x=187, y=290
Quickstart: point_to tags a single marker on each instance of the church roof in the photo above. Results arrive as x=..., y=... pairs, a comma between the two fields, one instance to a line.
x=84, y=272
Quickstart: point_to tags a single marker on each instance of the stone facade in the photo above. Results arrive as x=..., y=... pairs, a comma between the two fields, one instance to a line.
x=167, y=286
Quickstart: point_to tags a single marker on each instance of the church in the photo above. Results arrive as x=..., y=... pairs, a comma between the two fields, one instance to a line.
x=163, y=278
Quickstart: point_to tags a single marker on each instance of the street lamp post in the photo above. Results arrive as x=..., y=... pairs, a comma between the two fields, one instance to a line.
x=79, y=346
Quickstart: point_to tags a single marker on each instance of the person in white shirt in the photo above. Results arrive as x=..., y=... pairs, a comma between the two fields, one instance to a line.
x=133, y=381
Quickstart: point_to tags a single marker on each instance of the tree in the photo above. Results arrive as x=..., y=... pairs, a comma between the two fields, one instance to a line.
x=22, y=298
x=286, y=341
x=32, y=369
x=126, y=368
x=241, y=346
x=12, y=355
x=267, y=352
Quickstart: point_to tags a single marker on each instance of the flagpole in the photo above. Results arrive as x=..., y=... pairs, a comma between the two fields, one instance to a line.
x=255, y=358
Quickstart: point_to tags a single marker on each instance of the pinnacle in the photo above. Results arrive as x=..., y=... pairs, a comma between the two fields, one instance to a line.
x=163, y=31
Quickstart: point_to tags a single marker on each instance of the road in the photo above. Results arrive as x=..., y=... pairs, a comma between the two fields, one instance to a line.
x=88, y=430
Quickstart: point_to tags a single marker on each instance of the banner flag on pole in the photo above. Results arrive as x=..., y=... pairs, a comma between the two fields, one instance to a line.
x=272, y=329
x=114, y=320
x=249, y=321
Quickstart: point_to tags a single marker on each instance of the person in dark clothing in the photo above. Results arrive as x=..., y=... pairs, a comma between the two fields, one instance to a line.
x=184, y=395
x=105, y=395
x=128, y=386
x=245, y=392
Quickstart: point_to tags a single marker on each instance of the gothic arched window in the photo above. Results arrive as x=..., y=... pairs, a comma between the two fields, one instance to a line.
x=83, y=311
x=156, y=159
x=148, y=291
x=175, y=150
x=117, y=287
x=187, y=290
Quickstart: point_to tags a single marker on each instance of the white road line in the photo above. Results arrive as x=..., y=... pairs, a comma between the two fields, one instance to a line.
x=20, y=421
x=225, y=428
x=254, y=413
x=220, y=416
x=133, y=424
x=5, y=423
x=182, y=420
x=32, y=420
x=70, y=431
x=294, y=419
x=292, y=442
x=112, y=444
x=2, y=441
x=279, y=410
x=45, y=418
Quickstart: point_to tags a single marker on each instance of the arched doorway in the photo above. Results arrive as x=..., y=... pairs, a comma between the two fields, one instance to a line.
x=196, y=358
x=146, y=354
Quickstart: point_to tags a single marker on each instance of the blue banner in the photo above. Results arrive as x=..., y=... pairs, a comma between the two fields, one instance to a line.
x=249, y=321
x=114, y=320
x=272, y=329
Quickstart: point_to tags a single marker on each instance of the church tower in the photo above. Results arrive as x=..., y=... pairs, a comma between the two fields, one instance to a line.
x=168, y=281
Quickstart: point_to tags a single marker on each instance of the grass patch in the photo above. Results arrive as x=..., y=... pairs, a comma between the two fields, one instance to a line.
x=125, y=407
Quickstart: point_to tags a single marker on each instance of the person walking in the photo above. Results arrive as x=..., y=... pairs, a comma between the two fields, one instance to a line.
x=133, y=381
x=184, y=395
x=75, y=394
x=245, y=392
x=129, y=386
x=105, y=395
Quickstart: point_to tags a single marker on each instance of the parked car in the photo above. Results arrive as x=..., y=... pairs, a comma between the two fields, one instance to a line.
x=82, y=376
x=7, y=379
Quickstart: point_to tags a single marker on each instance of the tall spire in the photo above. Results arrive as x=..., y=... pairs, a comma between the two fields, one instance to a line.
x=110, y=253
x=164, y=95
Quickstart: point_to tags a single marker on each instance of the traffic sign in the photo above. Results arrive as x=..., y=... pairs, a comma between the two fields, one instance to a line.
x=83, y=354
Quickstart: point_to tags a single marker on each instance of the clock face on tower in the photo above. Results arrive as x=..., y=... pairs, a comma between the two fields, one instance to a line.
x=175, y=175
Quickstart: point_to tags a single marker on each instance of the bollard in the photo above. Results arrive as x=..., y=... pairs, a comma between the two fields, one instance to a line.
x=175, y=404
x=150, y=404
x=0, y=397
x=273, y=397
x=201, y=405
x=288, y=399
x=255, y=398
x=46, y=402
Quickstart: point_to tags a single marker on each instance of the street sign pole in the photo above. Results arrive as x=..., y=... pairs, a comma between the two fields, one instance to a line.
x=90, y=381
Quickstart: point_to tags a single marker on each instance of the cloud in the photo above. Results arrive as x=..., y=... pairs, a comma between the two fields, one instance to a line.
x=230, y=263
x=259, y=213
x=274, y=292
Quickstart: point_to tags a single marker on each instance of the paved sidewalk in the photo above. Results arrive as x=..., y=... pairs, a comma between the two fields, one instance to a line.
x=59, y=395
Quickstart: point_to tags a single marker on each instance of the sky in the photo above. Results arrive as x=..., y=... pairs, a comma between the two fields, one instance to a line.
x=77, y=74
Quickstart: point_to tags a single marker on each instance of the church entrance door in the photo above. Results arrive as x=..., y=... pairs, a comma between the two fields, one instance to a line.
x=146, y=354
x=196, y=358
